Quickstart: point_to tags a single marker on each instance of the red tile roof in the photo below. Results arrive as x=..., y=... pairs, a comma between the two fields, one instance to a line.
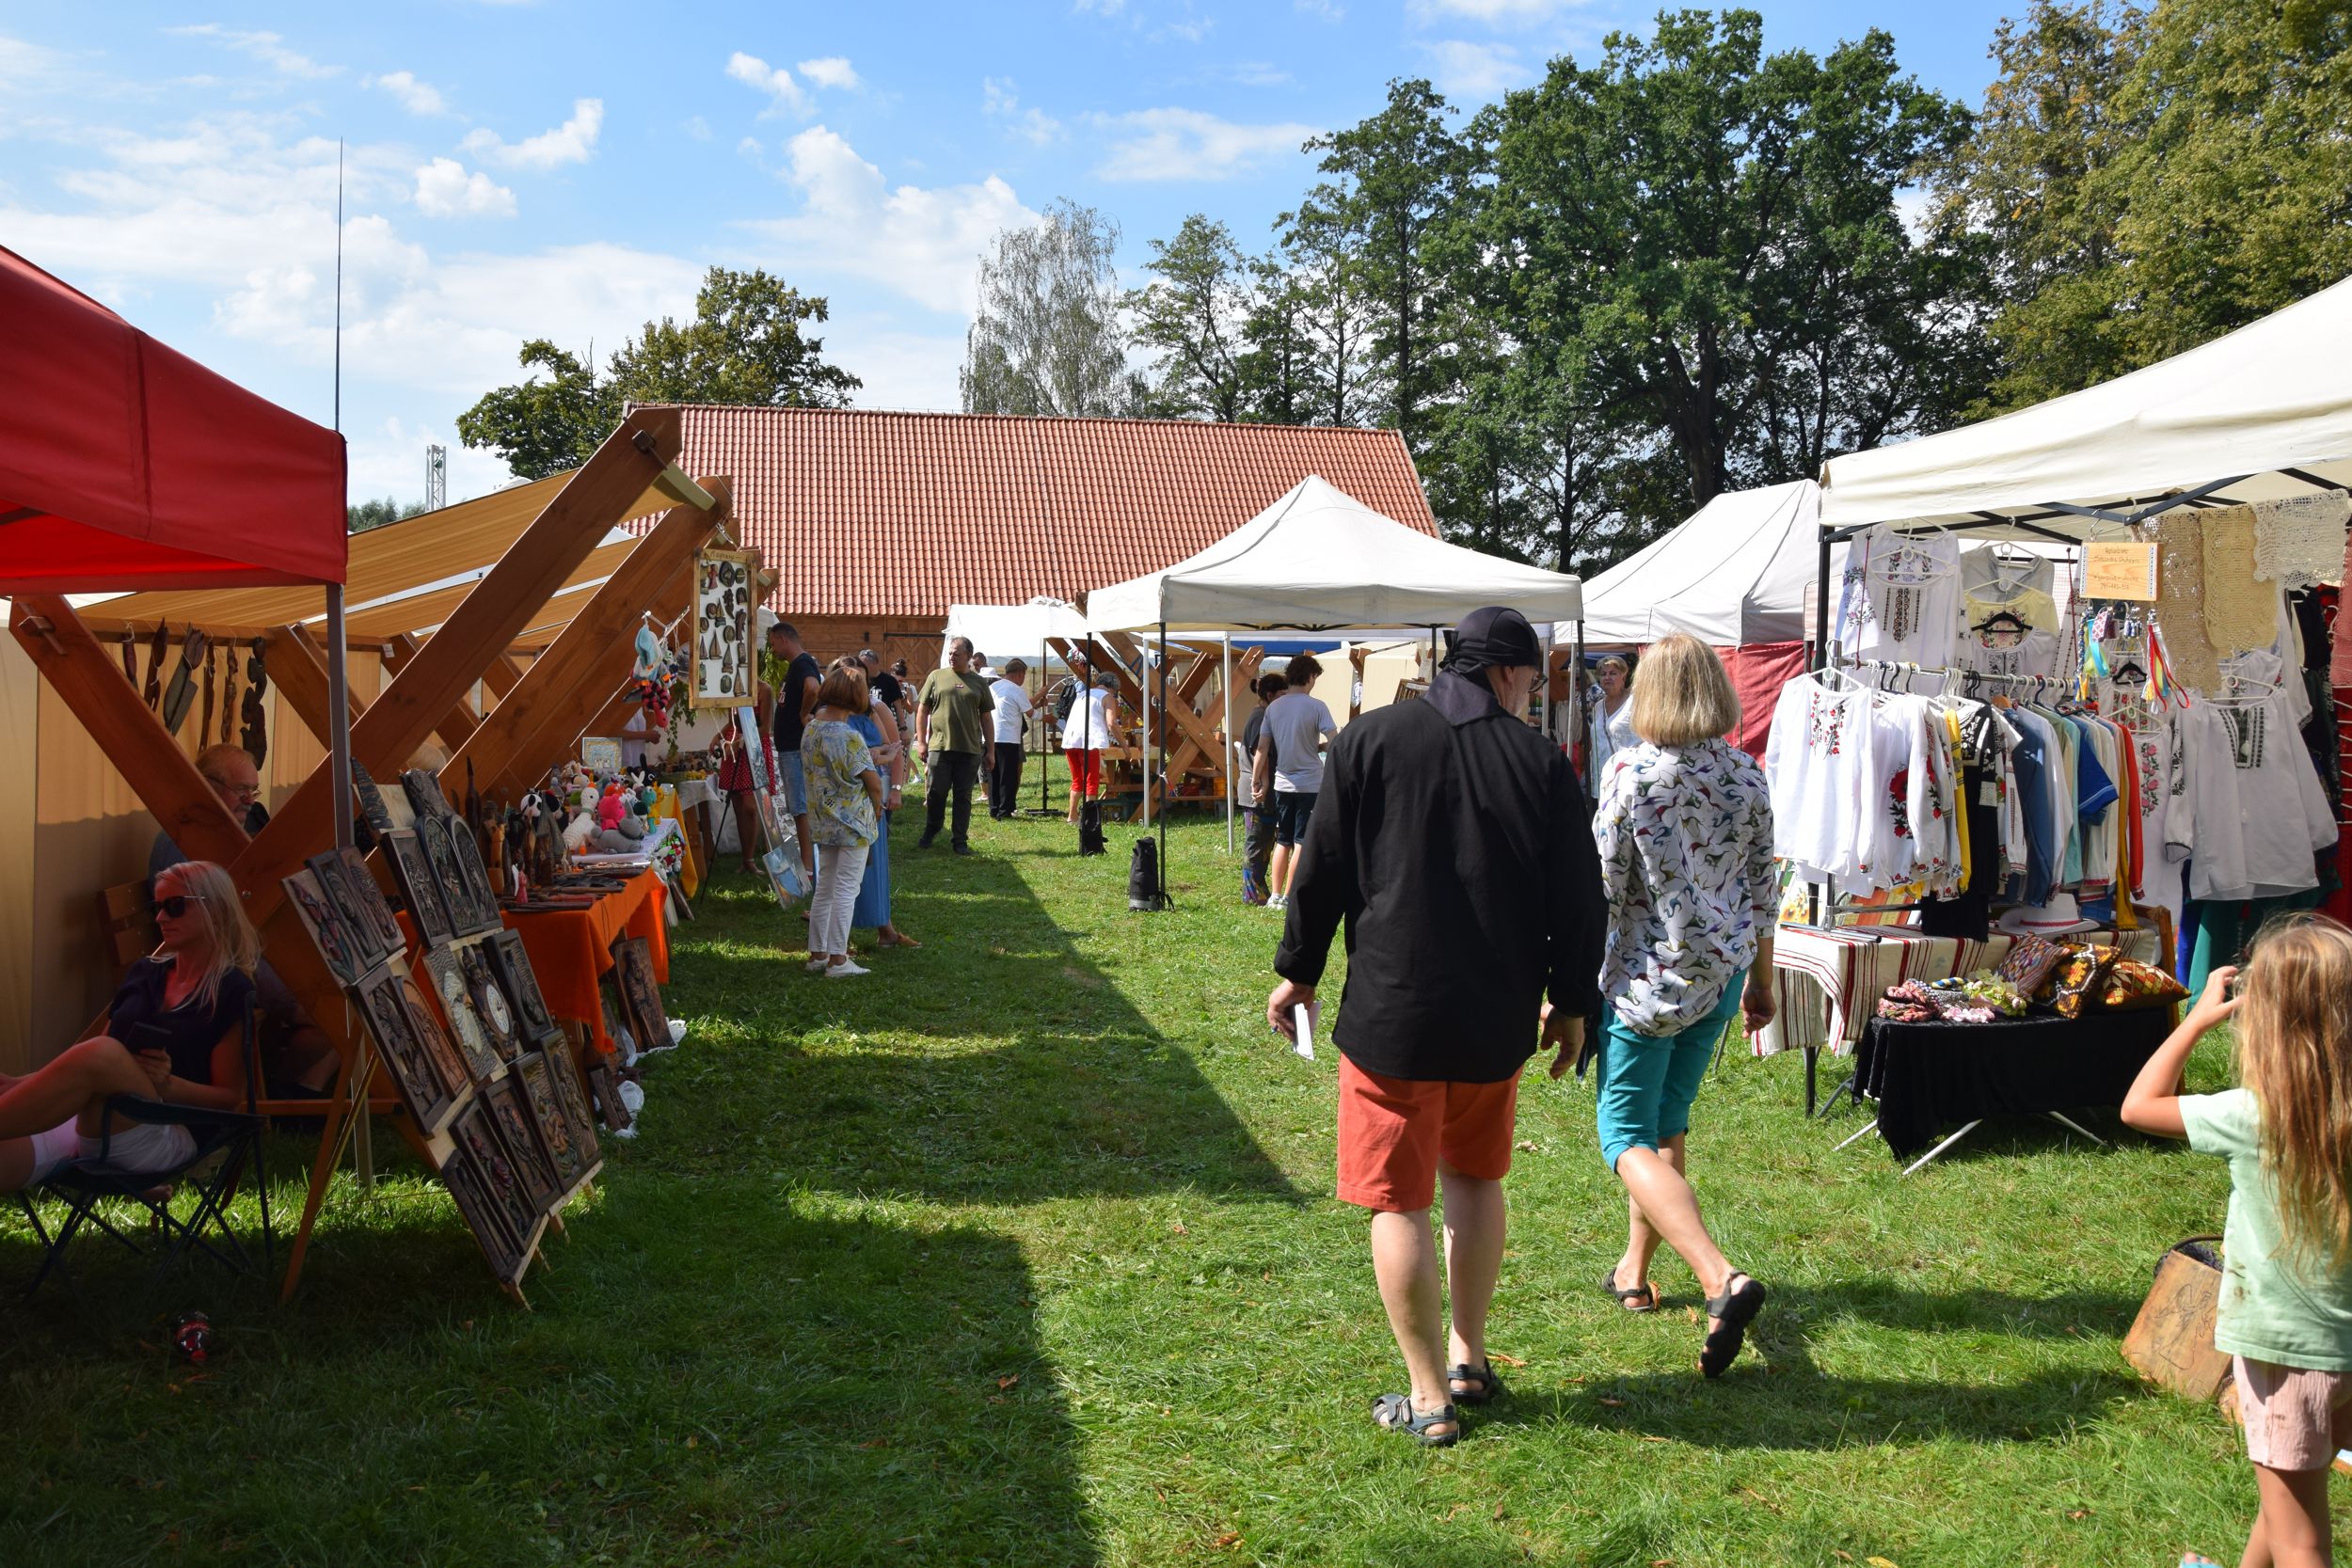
x=881, y=514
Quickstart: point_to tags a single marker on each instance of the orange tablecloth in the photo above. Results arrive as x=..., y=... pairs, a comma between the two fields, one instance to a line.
x=571, y=950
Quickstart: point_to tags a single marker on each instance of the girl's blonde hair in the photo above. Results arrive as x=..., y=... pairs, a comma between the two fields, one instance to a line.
x=2294, y=1054
x=220, y=911
x=1681, y=695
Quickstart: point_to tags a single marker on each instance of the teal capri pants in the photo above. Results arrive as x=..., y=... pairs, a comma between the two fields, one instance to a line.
x=1643, y=1084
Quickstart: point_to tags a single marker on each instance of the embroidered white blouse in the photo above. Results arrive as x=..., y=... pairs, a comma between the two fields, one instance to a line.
x=1685, y=836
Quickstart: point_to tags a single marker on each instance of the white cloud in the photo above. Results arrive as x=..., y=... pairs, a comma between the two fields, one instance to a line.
x=1494, y=13
x=268, y=48
x=749, y=147
x=1330, y=11
x=922, y=243
x=417, y=97
x=1000, y=101
x=831, y=72
x=698, y=128
x=21, y=61
x=776, y=82
x=1187, y=144
x=190, y=213
x=572, y=142
x=1252, y=74
x=1476, y=71
x=388, y=459
x=445, y=190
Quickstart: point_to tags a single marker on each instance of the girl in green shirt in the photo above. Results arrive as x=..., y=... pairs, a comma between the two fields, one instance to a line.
x=2285, y=1308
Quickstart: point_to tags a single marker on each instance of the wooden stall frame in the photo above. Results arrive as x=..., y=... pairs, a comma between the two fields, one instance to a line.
x=413, y=704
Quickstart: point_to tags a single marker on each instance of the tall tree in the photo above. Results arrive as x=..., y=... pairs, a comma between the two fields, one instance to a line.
x=1046, y=338
x=1196, y=313
x=1698, y=222
x=2031, y=187
x=1396, y=177
x=1278, y=364
x=744, y=345
x=1322, y=245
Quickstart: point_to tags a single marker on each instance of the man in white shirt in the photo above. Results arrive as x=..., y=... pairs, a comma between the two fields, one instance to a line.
x=1013, y=719
x=1290, y=766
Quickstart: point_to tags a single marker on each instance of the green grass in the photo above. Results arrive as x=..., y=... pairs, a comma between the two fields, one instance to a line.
x=1022, y=1251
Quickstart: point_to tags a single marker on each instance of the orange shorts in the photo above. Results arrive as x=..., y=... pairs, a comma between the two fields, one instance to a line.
x=1394, y=1131
x=1085, y=771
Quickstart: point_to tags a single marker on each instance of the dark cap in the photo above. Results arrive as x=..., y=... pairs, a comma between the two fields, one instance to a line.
x=1493, y=635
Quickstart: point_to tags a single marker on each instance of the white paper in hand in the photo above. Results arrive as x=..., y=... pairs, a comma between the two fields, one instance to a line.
x=1303, y=1024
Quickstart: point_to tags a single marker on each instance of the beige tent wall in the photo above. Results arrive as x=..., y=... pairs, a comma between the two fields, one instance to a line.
x=80, y=829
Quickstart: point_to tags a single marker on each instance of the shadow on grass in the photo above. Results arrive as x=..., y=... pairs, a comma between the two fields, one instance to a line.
x=993, y=1065
x=709, y=1373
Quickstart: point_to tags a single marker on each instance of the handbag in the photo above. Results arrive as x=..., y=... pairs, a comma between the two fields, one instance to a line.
x=2171, y=1344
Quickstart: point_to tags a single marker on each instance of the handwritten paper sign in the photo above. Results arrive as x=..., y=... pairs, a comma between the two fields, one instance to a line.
x=2120, y=571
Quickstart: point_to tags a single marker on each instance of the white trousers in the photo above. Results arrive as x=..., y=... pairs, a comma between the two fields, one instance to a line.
x=839, y=870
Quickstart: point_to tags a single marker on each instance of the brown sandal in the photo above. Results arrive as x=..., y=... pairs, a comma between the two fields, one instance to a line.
x=896, y=939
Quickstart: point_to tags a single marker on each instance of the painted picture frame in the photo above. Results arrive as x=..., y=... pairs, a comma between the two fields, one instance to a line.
x=326, y=928
x=475, y=1134
x=433, y=1040
x=348, y=889
x=385, y=1012
x=433, y=833
x=490, y=1004
x=511, y=960
x=632, y=967
x=511, y=1109
x=604, y=1084
x=719, y=638
x=501, y=1247
x=558, y=1137
x=571, y=1093
x=446, y=978
x=601, y=755
x=481, y=899
x=419, y=887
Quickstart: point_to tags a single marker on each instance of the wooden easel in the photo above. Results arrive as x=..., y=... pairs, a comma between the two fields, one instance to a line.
x=574, y=678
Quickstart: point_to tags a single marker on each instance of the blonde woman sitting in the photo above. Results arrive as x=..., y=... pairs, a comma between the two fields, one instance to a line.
x=175, y=1031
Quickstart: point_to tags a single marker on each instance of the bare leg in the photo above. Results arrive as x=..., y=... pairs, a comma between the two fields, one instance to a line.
x=1280, y=876
x=746, y=820
x=75, y=1084
x=1672, y=1210
x=2292, y=1528
x=1642, y=1238
x=1405, y=1261
x=1474, y=1260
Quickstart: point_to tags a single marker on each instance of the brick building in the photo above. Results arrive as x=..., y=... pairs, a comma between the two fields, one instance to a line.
x=876, y=522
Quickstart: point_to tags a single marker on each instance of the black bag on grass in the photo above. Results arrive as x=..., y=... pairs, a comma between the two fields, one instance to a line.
x=1143, y=877
x=1090, y=829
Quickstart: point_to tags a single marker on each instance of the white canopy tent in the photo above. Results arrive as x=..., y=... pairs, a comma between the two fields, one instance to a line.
x=1314, y=560
x=1319, y=559
x=1732, y=574
x=999, y=630
x=2263, y=412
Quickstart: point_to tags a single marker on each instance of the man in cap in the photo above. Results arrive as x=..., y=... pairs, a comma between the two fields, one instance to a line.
x=1455, y=845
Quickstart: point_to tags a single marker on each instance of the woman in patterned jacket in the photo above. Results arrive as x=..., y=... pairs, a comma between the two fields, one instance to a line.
x=1684, y=828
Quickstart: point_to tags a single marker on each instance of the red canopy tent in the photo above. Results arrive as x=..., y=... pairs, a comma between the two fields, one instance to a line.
x=126, y=465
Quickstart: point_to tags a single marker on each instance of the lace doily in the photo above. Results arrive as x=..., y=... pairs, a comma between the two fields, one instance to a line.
x=2180, y=600
x=2299, y=540
x=2240, y=613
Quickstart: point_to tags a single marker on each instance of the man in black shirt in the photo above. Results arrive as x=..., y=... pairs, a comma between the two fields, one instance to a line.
x=885, y=685
x=1455, y=846
x=794, y=701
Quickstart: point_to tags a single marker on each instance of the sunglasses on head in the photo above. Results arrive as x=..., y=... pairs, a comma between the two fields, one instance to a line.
x=177, y=905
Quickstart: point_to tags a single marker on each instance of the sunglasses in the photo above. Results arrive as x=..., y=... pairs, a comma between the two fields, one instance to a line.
x=177, y=905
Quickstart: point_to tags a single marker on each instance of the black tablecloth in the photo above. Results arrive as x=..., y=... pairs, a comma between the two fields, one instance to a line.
x=1929, y=1077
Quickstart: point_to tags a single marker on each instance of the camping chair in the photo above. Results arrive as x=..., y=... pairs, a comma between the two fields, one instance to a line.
x=225, y=1141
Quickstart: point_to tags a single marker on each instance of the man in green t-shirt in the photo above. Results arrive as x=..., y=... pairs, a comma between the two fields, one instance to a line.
x=951, y=714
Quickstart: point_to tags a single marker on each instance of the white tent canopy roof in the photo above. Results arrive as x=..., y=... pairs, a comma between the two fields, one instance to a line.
x=1319, y=559
x=1005, y=631
x=1732, y=574
x=2271, y=401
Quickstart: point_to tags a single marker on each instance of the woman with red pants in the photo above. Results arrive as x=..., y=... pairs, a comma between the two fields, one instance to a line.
x=1094, y=711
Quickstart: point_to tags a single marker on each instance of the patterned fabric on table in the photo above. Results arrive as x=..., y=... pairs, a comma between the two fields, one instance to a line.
x=2029, y=961
x=1685, y=834
x=2075, y=979
x=1828, y=979
x=2133, y=984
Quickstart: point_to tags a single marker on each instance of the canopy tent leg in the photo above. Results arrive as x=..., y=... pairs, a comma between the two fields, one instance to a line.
x=339, y=775
x=1044, y=807
x=1150, y=730
x=1224, y=729
x=1159, y=893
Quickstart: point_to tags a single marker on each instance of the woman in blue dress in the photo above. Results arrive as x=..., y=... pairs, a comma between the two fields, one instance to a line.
x=879, y=728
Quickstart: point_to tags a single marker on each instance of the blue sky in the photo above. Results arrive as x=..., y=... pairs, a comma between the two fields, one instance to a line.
x=566, y=170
